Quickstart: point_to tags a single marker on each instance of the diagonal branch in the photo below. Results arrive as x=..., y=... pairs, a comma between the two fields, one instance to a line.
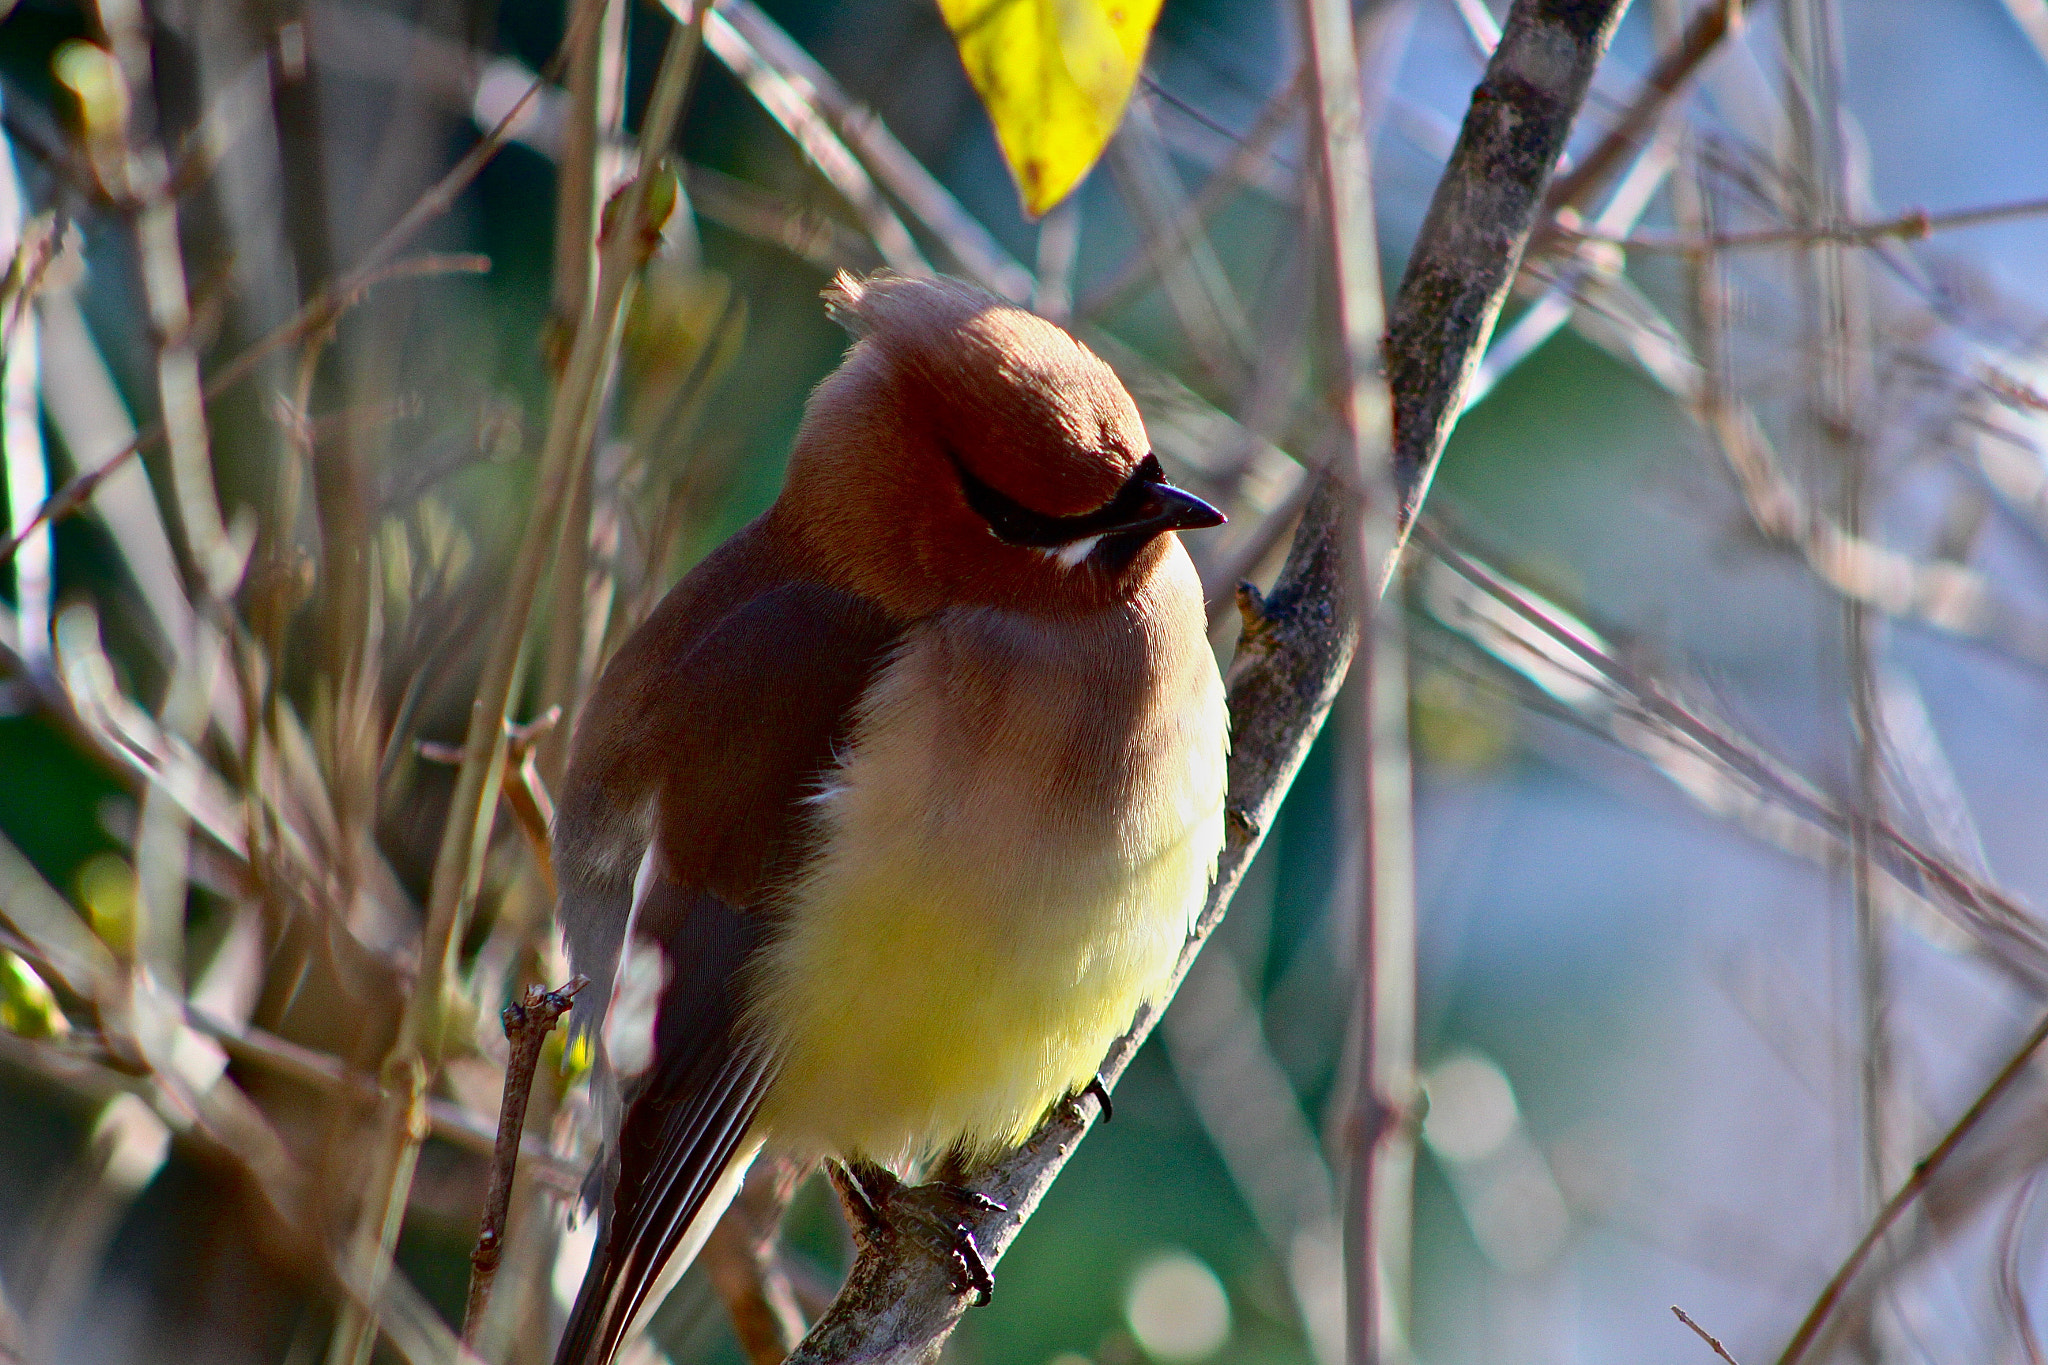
x=1302, y=635
x=1902, y=1198
x=1666, y=81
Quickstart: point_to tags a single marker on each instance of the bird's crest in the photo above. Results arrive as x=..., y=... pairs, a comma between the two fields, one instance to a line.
x=843, y=300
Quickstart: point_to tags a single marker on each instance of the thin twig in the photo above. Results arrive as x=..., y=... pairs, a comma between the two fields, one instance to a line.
x=1273, y=120
x=324, y=308
x=1949, y=597
x=1379, y=1074
x=213, y=567
x=1704, y=1335
x=969, y=244
x=1994, y=917
x=524, y=790
x=591, y=110
x=1196, y=288
x=596, y=100
x=459, y=1127
x=794, y=107
x=24, y=462
x=1250, y=1109
x=1902, y=1199
x=1765, y=799
x=1911, y=225
x=315, y=317
x=1666, y=81
x=527, y=1025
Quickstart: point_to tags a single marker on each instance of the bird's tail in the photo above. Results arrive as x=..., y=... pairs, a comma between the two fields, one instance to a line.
x=631, y=1273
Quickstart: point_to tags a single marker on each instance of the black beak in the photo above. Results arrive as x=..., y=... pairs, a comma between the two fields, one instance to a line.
x=1160, y=506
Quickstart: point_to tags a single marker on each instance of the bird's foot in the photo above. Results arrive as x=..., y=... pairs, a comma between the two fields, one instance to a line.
x=934, y=1215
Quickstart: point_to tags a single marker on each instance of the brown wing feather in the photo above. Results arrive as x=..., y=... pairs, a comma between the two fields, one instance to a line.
x=641, y=706
x=685, y=1122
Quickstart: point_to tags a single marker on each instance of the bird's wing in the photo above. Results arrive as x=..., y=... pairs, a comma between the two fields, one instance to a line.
x=683, y=1126
x=742, y=727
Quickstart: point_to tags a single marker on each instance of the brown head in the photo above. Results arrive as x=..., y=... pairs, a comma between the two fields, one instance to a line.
x=968, y=451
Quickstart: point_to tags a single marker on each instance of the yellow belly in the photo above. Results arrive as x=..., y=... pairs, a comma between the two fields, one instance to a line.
x=978, y=929
x=915, y=1019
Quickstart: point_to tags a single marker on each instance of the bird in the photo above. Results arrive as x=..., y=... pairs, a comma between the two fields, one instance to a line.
x=896, y=809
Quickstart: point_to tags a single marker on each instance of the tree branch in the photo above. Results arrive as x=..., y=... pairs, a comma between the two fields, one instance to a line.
x=527, y=1024
x=902, y=1306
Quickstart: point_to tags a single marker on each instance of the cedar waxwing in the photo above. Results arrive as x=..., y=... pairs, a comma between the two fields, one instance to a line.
x=885, y=823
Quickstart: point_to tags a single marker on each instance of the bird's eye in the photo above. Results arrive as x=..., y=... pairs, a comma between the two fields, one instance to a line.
x=1015, y=524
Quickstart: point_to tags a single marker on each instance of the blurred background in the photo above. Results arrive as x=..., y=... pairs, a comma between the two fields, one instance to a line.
x=1752, y=441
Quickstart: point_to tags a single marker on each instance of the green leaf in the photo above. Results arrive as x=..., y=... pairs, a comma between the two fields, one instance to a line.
x=1055, y=76
x=63, y=943
x=27, y=1008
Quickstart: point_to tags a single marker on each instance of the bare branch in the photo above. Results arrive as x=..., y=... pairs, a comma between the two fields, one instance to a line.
x=1666, y=81
x=1713, y=1343
x=1173, y=237
x=1911, y=225
x=2011, y=932
x=317, y=313
x=527, y=1024
x=970, y=245
x=316, y=316
x=794, y=107
x=1923, y=1172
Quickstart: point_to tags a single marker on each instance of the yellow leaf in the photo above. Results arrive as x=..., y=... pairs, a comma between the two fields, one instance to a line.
x=1055, y=76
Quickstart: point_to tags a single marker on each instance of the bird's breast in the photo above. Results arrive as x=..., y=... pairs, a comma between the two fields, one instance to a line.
x=1011, y=852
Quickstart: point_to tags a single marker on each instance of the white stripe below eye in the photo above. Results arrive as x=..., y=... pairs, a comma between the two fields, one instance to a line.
x=1072, y=553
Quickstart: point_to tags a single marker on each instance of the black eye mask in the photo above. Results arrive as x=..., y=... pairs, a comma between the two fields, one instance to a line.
x=1146, y=503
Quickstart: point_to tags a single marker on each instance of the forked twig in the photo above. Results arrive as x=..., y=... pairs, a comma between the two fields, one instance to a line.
x=527, y=1024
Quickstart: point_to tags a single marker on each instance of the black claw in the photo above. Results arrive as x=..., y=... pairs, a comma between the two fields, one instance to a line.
x=878, y=1204
x=1100, y=1091
x=973, y=1269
